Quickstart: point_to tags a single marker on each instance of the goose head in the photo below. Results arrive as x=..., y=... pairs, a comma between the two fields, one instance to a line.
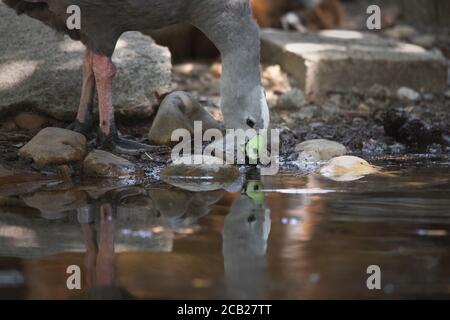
x=249, y=111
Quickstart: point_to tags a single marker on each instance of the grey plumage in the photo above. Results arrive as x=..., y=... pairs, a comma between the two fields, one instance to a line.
x=103, y=21
x=228, y=23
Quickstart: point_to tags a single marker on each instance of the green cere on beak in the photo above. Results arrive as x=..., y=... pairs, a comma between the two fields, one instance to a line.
x=255, y=147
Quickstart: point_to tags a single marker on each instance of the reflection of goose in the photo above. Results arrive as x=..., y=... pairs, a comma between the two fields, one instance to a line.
x=245, y=236
x=179, y=208
x=228, y=23
x=100, y=258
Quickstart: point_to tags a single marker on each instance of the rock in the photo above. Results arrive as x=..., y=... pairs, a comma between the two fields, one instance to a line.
x=209, y=176
x=308, y=113
x=29, y=121
x=179, y=110
x=293, y=99
x=319, y=150
x=428, y=97
x=55, y=146
x=275, y=80
x=408, y=94
x=102, y=164
x=343, y=61
x=379, y=92
x=216, y=70
x=363, y=109
x=424, y=40
x=41, y=70
x=347, y=168
x=401, y=32
x=447, y=94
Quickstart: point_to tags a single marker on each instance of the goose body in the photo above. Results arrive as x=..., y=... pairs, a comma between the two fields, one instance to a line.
x=227, y=23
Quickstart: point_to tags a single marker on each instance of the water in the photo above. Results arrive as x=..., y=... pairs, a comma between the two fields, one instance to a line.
x=283, y=237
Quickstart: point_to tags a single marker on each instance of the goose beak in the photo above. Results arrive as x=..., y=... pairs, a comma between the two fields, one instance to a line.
x=255, y=147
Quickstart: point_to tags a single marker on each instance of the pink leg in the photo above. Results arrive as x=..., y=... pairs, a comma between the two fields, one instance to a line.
x=104, y=72
x=88, y=89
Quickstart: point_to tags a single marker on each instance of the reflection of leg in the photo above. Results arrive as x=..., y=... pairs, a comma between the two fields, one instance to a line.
x=106, y=263
x=86, y=218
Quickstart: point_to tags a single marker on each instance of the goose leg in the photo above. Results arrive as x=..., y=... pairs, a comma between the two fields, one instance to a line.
x=84, y=122
x=104, y=73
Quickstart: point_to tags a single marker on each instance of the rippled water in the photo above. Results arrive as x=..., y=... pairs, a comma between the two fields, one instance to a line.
x=287, y=236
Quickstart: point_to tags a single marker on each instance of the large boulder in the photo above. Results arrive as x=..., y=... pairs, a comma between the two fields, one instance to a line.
x=41, y=70
x=55, y=146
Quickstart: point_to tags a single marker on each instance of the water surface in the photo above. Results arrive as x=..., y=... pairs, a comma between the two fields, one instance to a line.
x=289, y=236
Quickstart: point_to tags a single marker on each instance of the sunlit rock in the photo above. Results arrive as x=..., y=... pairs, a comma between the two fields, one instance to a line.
x=55, y=146
x=42, y=70
x=347, y=168
x=407, y=94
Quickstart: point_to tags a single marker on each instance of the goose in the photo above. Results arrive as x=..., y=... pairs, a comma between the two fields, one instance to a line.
x=229, y=24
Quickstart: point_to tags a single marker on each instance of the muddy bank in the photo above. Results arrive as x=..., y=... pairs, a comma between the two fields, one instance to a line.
x=373, y=124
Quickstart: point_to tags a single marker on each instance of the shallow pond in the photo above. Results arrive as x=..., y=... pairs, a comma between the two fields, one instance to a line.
x=284, y=237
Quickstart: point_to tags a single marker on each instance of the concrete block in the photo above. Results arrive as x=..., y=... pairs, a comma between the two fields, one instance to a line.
x=336, y=61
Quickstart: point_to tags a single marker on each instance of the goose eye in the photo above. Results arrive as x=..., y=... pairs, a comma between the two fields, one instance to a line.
x=250, y=123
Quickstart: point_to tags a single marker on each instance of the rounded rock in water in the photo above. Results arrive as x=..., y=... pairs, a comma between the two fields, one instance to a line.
x=208, y=176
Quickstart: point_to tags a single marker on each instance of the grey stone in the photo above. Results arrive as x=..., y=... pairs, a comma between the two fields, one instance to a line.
x=319, y=150
x=307, y=113
x=102, y=164
x=342, y=61
x=41, y=70
x=447, y=94
x=401, y=32
x=293, y=99
x=29, y=121
x=424, y=40
x=55, y=146
x=408, y=94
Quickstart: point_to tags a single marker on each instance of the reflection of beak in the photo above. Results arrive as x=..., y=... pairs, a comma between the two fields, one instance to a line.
x=254, y=191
